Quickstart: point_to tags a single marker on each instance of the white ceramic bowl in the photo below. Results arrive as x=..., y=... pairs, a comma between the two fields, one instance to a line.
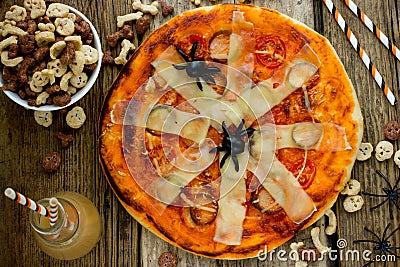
x=81, y=92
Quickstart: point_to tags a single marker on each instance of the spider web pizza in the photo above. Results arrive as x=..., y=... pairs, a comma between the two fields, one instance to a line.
x=231, y=128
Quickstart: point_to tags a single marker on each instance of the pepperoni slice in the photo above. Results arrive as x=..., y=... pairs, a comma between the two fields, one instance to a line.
x=270, y=51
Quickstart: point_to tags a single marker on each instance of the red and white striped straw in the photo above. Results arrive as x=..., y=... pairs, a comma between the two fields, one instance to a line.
x=21, y=199
x=360, y=51
x=373, y=28
x=53, y=210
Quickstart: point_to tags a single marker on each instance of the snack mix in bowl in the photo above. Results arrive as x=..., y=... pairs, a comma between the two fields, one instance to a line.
x=49, y=55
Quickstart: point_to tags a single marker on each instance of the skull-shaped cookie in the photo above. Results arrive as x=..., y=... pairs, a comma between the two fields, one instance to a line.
x=364, y=151
x=44, y=118
x=383, y=150
x=392, y=130
x=353, y=203
x=352, y=188
x=51, y=162
x=397, y=158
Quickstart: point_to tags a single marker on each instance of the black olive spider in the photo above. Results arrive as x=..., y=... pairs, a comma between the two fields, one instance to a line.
x=196, y=68
x=382, y=245
x=232, y=143
x=392, y=194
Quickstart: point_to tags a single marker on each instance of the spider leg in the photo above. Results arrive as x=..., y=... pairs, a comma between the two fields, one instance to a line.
x=179, y=67
x=199, y=84
x=397, y=183
x=224, y=128
x=373, y=195
x=236, y=162
x=365, y=241
x=185, y=57
x=391, y=210
x=208, y=78
x=380, y=204
x=215, y=149
x=224, y=159
x=392, y=233
x=384, y=178
x=369, y=231
x=396, y=204
x=247, y=132
x=213, y=69
x=193, y=50
x=385, y=231
x=238, y=132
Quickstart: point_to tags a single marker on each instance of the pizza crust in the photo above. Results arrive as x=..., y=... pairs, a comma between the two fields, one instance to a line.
x=170, y=223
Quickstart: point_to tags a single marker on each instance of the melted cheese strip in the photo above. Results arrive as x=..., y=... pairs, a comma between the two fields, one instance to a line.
x=232, y=208
x=217, y=111
x=178, y=79
x=240, y=57
x=284, y=188
x=293, y=75
x=170, y=120
x=274, y=176
x=332, y=137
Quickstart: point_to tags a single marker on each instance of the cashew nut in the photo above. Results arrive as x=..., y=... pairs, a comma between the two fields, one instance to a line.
x=126, y=47
x=317, y=242
x=121, y=20
x=331, y=228
x=16, y=13
x=152, y=8
x=7, y=42
x=10, y=62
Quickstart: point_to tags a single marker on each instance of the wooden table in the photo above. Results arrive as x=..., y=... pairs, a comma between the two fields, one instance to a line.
x=124, y=242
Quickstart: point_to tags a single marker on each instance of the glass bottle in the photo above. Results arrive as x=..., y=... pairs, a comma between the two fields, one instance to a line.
x=75, y=233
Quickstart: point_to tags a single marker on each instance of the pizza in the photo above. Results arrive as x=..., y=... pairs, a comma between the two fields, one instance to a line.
x=231, y=128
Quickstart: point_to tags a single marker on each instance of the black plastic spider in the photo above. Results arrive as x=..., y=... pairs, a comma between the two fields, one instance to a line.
x=392, y=194
x=232, y=143
x=196, y=68
x=382, y=245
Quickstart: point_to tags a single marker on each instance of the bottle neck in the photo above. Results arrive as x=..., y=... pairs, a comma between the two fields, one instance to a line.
x=65, y=226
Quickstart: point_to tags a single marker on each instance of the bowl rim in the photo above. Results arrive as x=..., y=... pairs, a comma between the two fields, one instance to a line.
x=81, y=92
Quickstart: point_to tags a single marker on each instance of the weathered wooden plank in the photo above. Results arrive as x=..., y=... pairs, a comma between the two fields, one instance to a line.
x=376, y=111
